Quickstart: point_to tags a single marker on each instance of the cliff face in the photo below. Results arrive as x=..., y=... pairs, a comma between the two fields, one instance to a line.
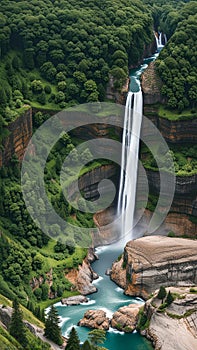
x=20, y=132
x=185, y=201
x=153, y=261
x=174, y=131
x=88, y=183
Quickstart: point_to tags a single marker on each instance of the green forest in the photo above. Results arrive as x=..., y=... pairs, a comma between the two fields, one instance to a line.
x=55, y=54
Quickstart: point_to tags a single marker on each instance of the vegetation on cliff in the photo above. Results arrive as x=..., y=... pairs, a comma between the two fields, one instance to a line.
x=177, y=63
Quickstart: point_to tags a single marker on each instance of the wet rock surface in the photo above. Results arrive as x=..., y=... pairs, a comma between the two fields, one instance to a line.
x=95, y=319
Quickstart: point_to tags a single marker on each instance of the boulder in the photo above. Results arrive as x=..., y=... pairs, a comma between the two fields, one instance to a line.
x=75, y=300
x=95, y=319
x=125, y=319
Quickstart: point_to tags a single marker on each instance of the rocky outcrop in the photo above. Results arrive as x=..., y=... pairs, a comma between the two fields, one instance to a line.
x=75, y=300
x=17, y=139
x=151, y=85
x=83, y=277
x=118, y=273
x=126, y=318
x=95, y=319
x=176, y=326
x=153, y=261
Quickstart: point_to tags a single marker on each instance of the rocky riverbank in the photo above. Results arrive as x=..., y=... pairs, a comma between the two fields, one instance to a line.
x=172, y=327
x=83, y=277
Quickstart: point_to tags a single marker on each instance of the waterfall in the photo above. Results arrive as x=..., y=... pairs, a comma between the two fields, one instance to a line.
x=159, y=40
x=129, y=162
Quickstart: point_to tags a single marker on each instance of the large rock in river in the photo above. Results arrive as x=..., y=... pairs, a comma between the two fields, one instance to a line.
x=152, y=261
x=95, y=319
x=125, y=319
x=74, y=300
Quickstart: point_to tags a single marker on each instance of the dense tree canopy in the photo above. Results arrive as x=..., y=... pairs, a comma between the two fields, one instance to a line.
x=74, y=45
x=177, y=63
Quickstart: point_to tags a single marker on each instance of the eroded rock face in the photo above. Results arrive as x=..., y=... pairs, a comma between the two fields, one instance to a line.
x=176, y=327
x=84, y=279
x=95, y=319
x=20, y=132
x=118, y=273
x=153, y=261
x=125, y=319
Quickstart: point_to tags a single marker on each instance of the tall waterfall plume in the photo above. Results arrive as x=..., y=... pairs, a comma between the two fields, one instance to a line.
x=129, y=162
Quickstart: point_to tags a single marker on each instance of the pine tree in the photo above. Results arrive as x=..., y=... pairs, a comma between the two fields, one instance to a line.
x=17, y=328
x=73, y=341
x=169, y=298
x=162, y=293
x=97, y=337
x=52, y=329
x=86, y=346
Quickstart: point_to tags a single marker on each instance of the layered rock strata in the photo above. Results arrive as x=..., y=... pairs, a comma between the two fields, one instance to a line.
x=152, y=261
x=17, y=139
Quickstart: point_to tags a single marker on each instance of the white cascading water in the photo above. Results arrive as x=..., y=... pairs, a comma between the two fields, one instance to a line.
x=159, y=41
x=129, y=162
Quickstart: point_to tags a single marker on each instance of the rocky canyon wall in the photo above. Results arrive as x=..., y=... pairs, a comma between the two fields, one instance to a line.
x=19, y=134
x=152, y=261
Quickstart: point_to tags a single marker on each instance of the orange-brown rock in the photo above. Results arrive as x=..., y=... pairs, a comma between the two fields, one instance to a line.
x=19, y=135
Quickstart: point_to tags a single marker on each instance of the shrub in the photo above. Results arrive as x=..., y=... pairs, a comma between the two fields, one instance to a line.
x=47, y=89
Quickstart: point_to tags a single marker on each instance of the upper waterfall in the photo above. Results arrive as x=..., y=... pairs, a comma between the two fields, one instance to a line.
x=161, y=40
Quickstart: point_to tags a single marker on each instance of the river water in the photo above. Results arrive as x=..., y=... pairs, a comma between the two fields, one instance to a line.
x=109, y=297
